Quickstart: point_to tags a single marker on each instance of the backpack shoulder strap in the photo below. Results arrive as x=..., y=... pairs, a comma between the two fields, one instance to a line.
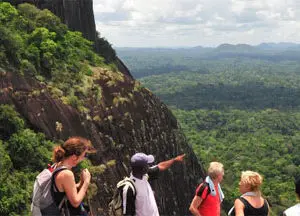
x=131, y=182
x=53, y=185
x=201, y=189
x=244, y=201
x=127, y=182
x=55, y=172
x=128, y=195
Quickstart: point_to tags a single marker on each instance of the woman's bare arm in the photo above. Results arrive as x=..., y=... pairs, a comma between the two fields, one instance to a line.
x=239, y=207
x=67, y=181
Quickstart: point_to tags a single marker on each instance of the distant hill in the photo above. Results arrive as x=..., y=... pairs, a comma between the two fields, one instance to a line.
x=278, y=46
x=144, y=62
x=235, y=48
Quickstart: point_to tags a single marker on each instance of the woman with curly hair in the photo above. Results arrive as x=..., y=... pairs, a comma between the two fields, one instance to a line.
x=67, y=156
x=251, y=202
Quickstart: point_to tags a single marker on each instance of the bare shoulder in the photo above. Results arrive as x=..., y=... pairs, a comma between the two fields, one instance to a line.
x=238, y=203
x=239, y=207
x=65, y=174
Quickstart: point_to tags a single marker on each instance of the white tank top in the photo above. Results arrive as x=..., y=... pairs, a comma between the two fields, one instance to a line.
x=293, y=211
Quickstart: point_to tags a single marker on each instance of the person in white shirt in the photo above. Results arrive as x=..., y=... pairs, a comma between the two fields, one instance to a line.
x=144, y=204
x=294, y=210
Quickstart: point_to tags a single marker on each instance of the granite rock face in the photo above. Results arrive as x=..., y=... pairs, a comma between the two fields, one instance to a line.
x=117, y=129
x=128, y=119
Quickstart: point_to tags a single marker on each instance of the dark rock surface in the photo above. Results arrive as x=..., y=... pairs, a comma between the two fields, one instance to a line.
x=142, y=123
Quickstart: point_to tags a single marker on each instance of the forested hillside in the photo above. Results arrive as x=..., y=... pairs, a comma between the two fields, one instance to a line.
x=236, y=104
x=241, y=83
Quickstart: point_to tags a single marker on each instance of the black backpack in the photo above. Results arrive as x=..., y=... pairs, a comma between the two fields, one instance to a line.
x=204, y=185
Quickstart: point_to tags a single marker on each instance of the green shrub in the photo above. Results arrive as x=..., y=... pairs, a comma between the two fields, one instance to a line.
x=27, y=68
x=3, y=59
x=25, y=143
x=12, y=44
x=29, y=11
x=111, y=163
x=57, y=93
x=10, y=121
x=15, y=193
x=98, y=169
x=48, y=20
x=73, y=101
x=5, y=163
x=33, y=54
x=104, y=48
x=7, y=13
x=97, y=93
x=97, y=118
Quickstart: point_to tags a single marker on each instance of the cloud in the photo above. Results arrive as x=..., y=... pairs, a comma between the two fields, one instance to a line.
x=197, y=22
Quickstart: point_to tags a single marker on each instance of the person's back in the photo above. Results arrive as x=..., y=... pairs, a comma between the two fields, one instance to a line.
x=145, y=203
x=254, y=205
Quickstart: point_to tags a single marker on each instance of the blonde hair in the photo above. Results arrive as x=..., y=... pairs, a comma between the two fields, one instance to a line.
x=252, y=179
x=215, y=169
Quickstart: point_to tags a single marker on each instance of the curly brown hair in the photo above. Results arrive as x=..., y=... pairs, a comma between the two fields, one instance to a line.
x=72, y=146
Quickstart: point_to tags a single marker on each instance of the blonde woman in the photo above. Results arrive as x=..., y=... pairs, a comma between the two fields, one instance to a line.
x=251, y=202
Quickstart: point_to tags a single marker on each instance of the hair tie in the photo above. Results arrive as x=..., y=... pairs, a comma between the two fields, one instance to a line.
x=61, y=145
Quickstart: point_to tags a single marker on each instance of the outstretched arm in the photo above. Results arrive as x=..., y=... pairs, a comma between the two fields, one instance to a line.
x=166, y=164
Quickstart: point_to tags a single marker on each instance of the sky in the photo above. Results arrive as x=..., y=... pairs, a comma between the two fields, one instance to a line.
x=188, y=23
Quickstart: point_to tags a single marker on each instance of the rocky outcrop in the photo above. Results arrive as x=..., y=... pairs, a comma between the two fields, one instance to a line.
x=128, y=119
x=77, y=15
